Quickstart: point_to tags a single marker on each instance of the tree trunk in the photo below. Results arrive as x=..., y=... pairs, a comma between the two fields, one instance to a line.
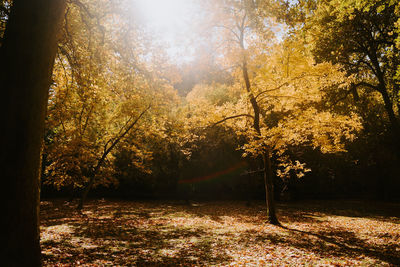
x=26, y=61
x=90, y=184
x=389, y=110
x=266, y=158
x=269, y=190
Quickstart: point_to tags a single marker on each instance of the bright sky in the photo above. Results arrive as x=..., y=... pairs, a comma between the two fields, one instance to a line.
x=175, y=25
x=172, y=21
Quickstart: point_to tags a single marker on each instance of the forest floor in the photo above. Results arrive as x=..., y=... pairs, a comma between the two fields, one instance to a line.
x=123, y=233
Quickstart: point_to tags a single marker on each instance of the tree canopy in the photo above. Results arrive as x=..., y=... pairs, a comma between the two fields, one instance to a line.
x=237, y=99
x=133, y=104
x=149, y=99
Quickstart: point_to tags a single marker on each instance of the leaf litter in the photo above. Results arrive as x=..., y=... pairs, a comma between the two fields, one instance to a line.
x=153, y=233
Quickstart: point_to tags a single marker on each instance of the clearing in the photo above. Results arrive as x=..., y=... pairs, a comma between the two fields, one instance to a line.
x=155, y=233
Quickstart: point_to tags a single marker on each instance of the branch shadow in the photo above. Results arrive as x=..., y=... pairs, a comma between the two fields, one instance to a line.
x=380, y=211
x=337, y=242
x=256, y=213
x=133, y=236
x=139, y=234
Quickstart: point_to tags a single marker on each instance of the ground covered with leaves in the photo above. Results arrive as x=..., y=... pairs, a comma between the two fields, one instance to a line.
x=122, y=233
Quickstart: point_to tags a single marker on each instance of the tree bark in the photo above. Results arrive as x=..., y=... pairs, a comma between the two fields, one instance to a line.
x=382, y=88
x=266, y=158
x=26, y=61
x=269, y=190
x=394, y=123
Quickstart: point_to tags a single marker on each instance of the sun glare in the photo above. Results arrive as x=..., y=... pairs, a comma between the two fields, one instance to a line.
x=172, y=21
x=165, y=14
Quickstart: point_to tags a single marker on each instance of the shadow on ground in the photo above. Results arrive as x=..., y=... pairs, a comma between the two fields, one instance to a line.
x=223, y=233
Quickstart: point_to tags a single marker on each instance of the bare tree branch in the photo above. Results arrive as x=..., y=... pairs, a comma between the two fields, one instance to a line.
x=365, y=84
x=232, y=117
x=285, y=84
x=283, y=96
x=229, y=29
x=100, y=162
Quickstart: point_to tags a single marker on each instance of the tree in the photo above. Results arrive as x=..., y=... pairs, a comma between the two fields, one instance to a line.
x=237, y=23
x=361, y=36
x=280, y=106
x=27, y=56
x=105, y=87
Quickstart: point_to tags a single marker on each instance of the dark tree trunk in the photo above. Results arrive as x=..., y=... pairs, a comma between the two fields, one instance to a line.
x=90, y=184
x=269, y=190
x=266, y=158
x=394, y=123
x=26, y=61
x=382, y=88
